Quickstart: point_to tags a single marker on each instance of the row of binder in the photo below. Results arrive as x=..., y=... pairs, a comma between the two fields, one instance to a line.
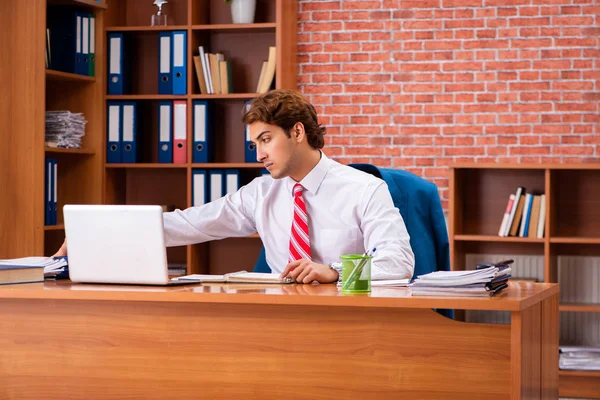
x=122, y=133
x=51, y=192
x=71, y=35
x=172, y=135
x=172, y=63
x=210, y=185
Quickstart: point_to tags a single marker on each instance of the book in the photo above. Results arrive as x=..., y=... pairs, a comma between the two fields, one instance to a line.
x=542, y=219
x=240, y=276
x=269, y=74
x=30, y=269
x=506, y=216
x=535, y=215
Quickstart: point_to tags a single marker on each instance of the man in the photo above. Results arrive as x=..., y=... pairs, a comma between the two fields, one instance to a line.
x=310, y=210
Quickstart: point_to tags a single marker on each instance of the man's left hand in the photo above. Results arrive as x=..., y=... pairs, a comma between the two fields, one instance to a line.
x=306, y=271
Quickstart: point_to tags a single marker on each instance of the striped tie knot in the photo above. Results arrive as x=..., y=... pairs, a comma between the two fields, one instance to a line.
x=298, y=188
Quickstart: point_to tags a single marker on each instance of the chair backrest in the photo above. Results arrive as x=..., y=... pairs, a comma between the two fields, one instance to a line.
x=420, y=206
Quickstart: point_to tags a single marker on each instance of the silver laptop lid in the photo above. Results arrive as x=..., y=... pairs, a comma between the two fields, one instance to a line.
x=116, y=244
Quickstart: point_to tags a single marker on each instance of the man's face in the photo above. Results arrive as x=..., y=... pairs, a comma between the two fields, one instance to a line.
x=274, y=149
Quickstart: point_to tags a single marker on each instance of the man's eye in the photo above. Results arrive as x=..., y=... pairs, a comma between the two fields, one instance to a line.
x=266, y=140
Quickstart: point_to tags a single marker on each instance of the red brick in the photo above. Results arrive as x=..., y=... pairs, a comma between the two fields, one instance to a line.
x=463, y=130
x=360, y=5
x=529, y=11
x=461, y=3
x=464, y=151
x=410, y=4
x=573, y=150
x=530, y=150
x=573, y=21
x=531, y=43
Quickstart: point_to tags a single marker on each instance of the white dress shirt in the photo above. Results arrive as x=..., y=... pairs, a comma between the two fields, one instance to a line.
x=349, y=211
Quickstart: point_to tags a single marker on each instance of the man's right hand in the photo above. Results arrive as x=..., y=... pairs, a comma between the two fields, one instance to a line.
x=62, y=251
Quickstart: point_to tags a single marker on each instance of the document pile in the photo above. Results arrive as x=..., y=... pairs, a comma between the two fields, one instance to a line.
x=579, y=358
x=30, y=269
x=481, y=282
x=64, y=129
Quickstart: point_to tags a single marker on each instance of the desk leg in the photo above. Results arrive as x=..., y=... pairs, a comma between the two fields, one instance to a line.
x=525, y=353
x=549, y=343
x=534, y=351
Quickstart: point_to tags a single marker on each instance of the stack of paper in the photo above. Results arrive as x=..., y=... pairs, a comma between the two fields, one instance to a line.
x=51, y=265
x=64, y=129
x=479, y=282
x=579, y=358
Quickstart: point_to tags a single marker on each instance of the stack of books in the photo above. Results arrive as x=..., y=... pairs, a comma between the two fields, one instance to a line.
x=524, y=216
x=481, y=282
x=579, y=358
x=64, y=129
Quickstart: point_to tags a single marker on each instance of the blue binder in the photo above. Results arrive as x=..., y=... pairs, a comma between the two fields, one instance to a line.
x=128, y=132
x=179, y=66
x=216, y=181
x=54, y=213
x=199, y=187
x=250, y=148
x=113, y=132
x=48, y=173
x=203, y=152
x=165, y=55
x=165, y=132
x=232, y=181
x=115, y=63
x=84, y=67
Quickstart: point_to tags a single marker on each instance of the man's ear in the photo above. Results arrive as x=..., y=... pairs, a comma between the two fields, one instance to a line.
x=298, y=130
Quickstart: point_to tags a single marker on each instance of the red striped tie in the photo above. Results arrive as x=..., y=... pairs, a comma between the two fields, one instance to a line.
x=299, y=241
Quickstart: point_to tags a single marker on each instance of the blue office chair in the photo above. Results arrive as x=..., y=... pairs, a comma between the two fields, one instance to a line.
x=419, y=204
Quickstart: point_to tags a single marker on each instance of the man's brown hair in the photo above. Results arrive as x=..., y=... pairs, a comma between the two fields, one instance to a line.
x=285, y=108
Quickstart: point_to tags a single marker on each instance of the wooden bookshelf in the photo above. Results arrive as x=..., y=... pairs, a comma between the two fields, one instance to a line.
x=52, y=75
x=207, y=23
x=28, y=90
x=477, y=201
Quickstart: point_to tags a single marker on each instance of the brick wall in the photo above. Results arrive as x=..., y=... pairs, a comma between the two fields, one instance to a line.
x=420, y=84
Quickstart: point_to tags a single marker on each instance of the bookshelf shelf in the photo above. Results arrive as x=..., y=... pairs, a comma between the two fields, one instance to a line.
x=126, y=97
x=574, y=307
x=228, y=165
x=579, y=384
x=591, y=374
x=223, y=96
x=101, y=5
x=66, y=76
x=59, y=227
x=146, y=28
x=258, y=27
x=575, y=240
x=147, y=166
x=499, y=239
x=52, y=150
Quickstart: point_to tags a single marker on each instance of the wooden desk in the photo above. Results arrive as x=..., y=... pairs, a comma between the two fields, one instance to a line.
x=67, y=341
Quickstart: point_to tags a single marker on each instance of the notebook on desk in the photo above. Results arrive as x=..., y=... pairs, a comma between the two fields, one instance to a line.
x=117, y=244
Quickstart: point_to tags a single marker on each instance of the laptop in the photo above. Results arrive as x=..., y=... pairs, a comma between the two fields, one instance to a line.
x=117, y=244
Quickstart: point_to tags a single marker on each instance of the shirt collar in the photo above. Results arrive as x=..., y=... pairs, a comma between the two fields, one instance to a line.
x=312, y=181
